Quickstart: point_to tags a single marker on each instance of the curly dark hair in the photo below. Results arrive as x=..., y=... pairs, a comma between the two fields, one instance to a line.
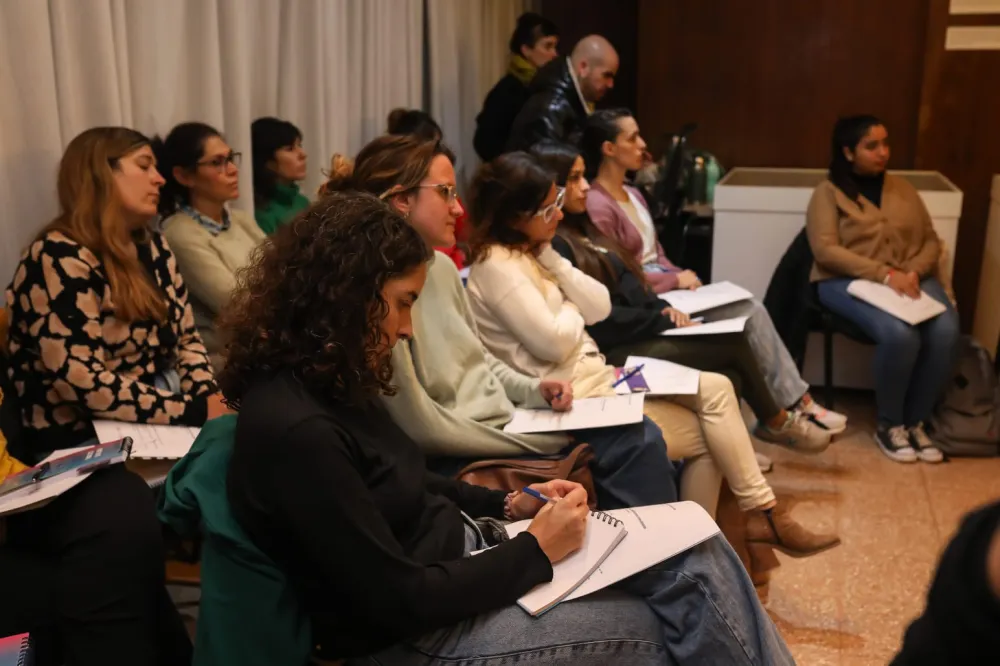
x=310, y=300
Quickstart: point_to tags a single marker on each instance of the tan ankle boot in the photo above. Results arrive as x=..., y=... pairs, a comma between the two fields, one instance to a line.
x=779, y=530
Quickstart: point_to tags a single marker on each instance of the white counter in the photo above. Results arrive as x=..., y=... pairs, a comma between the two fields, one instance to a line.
x=758, y=212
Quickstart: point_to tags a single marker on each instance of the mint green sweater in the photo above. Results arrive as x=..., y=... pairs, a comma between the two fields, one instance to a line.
x=286, y=202
x=455, y=397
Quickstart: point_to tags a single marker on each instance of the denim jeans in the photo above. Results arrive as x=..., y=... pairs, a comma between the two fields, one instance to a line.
x=913, y=364
x=780, y=372
x=630, y=465
x=697, y=608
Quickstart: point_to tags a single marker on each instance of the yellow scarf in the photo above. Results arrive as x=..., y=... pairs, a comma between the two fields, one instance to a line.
x=8, y=463
x=522, y=69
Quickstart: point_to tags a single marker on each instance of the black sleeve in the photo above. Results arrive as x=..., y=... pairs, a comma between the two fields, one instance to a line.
x=474, y=500
x=959, y=625
x=336, y=523
x=542, y=118
x=493, y=124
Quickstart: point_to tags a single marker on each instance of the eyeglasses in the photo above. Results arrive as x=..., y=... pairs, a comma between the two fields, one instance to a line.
x=219, y=163
x=549, y=212
x=448, y=192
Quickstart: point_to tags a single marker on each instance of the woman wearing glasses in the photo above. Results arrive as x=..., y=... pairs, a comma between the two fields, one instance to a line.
x=211, y=242
x=532, y=308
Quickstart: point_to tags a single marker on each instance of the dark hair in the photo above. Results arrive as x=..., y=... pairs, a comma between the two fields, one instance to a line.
x=505, y=192
x=386, y=162
x=183, y=147
x=602, y=125
x=267, y=136
x=531, y=28
x=847, y=133
x=577, y=229
x=310, y=301
x=415, y=122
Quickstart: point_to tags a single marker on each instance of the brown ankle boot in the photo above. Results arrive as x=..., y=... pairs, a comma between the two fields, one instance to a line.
x=776, y=528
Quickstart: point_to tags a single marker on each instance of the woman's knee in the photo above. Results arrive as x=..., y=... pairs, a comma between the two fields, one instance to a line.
x=944, y=331
x=716, y=391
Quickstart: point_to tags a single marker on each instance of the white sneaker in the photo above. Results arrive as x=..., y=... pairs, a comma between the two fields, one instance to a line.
x=828, y=419
x=925, y=448
x=765, y=463
x=895, y=444
x=797, y=433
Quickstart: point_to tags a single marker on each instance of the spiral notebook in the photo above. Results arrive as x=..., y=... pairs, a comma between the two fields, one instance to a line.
x=16, y=651
x=618, y=544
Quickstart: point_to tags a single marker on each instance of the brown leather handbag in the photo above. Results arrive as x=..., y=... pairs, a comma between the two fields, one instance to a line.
x=511, y=474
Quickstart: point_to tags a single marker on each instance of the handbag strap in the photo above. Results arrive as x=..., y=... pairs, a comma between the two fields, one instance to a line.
x=579, y=455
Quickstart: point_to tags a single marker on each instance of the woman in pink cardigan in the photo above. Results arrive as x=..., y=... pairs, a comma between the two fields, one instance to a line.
x=612, y=146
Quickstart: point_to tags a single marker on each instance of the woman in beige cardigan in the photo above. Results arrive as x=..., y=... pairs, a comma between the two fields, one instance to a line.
x=210, y=241
x=866, y=224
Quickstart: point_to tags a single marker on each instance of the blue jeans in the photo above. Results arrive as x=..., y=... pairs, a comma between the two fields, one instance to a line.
x=630, y=465
x=697, y=608
x=913, y=364
x=780, y=372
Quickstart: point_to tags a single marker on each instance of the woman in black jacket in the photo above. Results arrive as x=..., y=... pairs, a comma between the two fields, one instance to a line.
x=638, y=316
x=532, y=45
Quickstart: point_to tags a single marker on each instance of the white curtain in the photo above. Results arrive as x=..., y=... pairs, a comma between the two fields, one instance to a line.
x=335, y=68
x=468, y=55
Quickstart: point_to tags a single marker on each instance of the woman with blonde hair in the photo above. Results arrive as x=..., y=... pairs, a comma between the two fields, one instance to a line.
x=100, y=328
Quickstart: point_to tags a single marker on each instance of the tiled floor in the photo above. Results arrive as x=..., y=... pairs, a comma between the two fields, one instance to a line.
x=850, y=606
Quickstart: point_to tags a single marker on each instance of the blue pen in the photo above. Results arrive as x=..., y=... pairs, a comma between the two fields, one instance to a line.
x=628, y=375
x=537, y=495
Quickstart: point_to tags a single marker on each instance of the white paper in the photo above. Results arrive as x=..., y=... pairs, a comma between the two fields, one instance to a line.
x=149, y=441
x=586, y=413
x=735, y=325
x=911, y=310
x=568, y=574
x=706, y=297
x=654, y=533
x=663, y=377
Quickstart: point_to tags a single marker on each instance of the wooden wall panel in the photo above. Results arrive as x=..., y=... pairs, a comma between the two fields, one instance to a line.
x=959, y=135
x=765, y=80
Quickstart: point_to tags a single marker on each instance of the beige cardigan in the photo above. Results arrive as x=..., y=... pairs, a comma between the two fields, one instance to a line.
x=865, y=241
x=209, y=263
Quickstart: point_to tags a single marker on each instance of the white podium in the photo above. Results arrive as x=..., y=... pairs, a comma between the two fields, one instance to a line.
x=759, y=211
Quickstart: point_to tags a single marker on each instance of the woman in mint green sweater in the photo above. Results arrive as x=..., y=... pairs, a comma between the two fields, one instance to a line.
x=279, y=162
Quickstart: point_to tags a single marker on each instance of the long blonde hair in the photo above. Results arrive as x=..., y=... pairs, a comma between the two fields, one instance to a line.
x=91, y=214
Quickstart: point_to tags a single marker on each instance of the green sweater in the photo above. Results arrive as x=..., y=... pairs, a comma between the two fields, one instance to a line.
x=455, y=397
x=286, y=202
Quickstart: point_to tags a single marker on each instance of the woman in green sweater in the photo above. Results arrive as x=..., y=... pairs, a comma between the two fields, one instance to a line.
x=279, y=163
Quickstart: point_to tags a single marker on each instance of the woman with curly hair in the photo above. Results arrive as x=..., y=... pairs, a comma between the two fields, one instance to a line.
x=378, y=548
x=455, y=398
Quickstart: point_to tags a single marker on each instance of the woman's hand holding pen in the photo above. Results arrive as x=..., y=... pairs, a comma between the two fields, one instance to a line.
x=561, y=525
x=558, y=394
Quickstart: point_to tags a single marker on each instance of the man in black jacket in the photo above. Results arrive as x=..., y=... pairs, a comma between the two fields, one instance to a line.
x=532, y=46
x=564, y=93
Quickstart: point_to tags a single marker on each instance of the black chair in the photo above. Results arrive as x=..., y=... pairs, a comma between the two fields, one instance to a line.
x=827, y=322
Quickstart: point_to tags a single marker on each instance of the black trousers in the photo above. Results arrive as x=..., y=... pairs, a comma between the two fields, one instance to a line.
x=85, y=575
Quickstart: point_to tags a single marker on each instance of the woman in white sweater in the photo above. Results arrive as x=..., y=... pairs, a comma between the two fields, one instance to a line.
x=532, y=306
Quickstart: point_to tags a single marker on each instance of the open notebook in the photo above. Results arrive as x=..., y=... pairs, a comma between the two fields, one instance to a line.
x=911, y=310
x=149, y=442
x=618, y=544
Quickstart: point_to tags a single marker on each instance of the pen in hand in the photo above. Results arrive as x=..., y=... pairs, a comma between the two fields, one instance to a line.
x=537, y=495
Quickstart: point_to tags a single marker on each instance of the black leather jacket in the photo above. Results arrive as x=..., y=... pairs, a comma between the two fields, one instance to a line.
x=554, y=112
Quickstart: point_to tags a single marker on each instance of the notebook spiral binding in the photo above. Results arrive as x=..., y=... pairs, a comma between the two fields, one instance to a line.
x=24, y=658
x=606, y=518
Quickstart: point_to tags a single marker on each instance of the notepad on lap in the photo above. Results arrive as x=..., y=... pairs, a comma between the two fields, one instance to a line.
x=586, y=413
x=619, y=544
x=911, y=310
x=704, y=298
x=149, y=442
x=734, y=325
x=660, y=378
x=603, y=536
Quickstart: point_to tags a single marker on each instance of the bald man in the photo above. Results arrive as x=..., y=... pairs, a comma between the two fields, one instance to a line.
x=564, y=93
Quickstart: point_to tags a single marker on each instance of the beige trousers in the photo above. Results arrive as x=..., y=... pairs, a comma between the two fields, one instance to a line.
x=707, y=431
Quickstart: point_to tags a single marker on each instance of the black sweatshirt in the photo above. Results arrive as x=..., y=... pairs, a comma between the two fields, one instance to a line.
x=373, y=543
x=961, y=624
x=636, y=312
